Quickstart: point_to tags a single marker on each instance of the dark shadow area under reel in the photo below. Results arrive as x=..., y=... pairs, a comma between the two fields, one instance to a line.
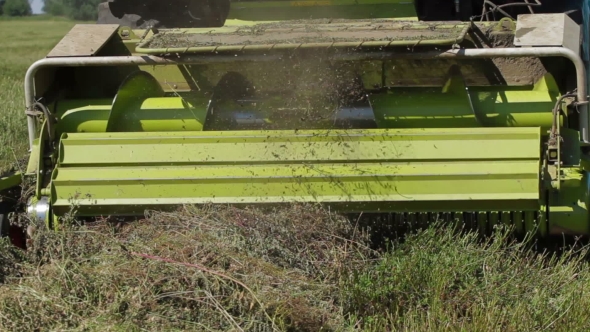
x=387, y=231
x=10, y=205
x=237, y=104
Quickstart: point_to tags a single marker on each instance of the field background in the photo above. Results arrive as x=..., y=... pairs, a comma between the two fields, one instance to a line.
x=22, y=42
x=302, y=269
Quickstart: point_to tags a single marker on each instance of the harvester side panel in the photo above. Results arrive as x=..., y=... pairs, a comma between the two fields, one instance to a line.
x=358, y=170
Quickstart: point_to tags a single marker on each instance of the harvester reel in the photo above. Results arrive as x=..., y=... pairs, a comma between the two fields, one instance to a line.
x=236, y=104
x=233, y=88
x=137, y=87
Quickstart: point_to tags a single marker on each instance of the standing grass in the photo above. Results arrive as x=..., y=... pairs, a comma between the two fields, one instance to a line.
x=22, y=42
x=293, y=269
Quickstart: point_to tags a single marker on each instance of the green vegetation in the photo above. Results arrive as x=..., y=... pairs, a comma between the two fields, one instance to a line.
x=298, y=269
x=84, y=10
x=23, y=42
x=17, y=8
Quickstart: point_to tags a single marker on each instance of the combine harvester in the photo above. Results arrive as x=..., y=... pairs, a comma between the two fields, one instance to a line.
x=464, y=110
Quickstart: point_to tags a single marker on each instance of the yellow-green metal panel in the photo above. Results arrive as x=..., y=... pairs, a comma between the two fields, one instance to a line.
x=404, y=145
x=383, y=170
x=151, y=114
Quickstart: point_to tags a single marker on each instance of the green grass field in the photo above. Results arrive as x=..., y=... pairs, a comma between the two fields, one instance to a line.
x=22, y=42
x=300, y=269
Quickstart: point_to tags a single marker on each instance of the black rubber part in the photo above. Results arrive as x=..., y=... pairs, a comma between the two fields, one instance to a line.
x=4, y=225
x=143, y=14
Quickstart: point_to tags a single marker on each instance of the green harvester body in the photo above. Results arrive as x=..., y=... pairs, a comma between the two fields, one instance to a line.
x=362, y=108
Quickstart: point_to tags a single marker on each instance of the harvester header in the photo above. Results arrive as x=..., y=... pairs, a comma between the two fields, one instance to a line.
x=466, y=111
